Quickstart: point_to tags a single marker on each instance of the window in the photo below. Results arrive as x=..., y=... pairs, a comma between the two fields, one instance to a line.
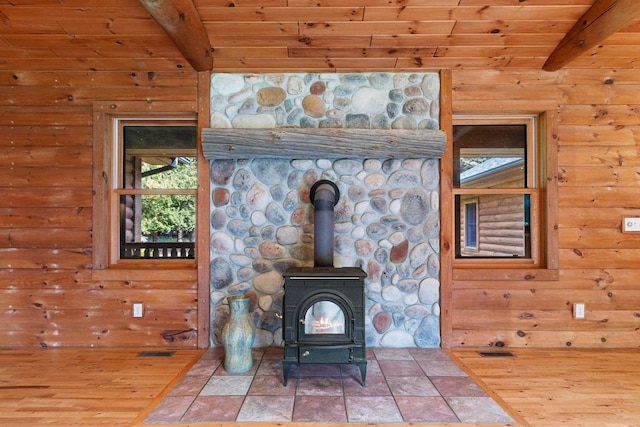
x=153, y=201
x=496, y=190
x=470, y=221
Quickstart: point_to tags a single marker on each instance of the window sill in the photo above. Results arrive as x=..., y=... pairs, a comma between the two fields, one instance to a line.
x=153, y=264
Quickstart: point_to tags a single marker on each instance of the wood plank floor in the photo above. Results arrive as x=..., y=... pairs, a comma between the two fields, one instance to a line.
x=115, y=387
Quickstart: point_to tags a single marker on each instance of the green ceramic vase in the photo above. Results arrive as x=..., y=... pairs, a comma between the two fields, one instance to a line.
x=238, y=335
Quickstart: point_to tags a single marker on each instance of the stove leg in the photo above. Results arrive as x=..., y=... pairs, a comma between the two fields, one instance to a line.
x=286, y=367
x=363, y=373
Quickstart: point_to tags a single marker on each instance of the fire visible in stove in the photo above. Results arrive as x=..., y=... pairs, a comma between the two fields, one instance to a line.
x=324, y=317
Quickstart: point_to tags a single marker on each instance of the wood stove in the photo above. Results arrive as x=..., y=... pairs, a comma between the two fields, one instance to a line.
x=323, y=313
x=323, y=319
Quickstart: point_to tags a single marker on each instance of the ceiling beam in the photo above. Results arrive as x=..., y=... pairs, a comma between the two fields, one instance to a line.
x=603, y=19
x=181, y=21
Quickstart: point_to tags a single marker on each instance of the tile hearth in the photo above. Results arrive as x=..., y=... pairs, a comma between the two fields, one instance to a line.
x=403, y=385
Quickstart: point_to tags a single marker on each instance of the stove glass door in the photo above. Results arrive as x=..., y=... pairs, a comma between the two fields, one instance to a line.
x=324, y=317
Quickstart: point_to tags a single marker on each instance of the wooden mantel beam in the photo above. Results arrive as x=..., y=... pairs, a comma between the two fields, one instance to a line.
x=603, y=19
x=322, y=143
x=181, y=21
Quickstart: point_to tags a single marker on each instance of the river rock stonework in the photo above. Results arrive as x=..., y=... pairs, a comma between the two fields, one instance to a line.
x=386, y=222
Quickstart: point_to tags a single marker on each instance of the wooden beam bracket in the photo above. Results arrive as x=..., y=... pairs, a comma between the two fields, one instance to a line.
x=604, y=18
x=181, y=21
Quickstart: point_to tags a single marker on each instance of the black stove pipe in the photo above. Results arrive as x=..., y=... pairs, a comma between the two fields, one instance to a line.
x=324, y=196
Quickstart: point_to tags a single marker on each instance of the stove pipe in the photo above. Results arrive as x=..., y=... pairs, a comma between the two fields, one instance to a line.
x=324, y=196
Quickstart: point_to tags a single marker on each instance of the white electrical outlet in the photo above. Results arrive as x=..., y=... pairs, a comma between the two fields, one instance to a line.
x=578, y=311
x=138, y=309
x=630, y=225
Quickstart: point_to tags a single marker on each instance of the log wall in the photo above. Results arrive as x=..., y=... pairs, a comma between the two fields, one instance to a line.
x=51, y=296
x=598, y=134
x=49, y=293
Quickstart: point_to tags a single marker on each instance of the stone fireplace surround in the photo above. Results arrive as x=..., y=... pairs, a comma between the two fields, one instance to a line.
x=386, y=222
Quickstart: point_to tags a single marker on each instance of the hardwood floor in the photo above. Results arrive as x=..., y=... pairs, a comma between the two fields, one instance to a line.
x=564, y=387
x=87, y=387
x=115, y=387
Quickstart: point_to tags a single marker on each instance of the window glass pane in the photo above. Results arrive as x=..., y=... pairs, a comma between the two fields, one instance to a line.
x=503, y=228
x=490, y=156
x=471, y=226
x=159, y=157
x=157, y=226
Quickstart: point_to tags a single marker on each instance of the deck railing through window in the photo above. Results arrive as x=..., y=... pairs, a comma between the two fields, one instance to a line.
x=166, y=250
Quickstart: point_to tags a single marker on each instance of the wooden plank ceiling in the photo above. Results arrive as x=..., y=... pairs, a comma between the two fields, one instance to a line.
x=318, y=35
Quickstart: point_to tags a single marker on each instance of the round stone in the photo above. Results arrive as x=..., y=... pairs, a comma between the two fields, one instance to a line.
x=358, y=121
x=268, y=283
x=258, y=218
x=220, y=196
x=287, y=235
x=403, y=179
x=221, y=242
x=400, y=80
x=415, y=206
x=419, y=254
x=254, y=121
x=314, y=106
x=240, y=260
x=238, y=227
x=371, y=165
x=258, y=196
x=428, y=333
x=218, y=219
x=431, y=86
x=240, y=96
x=271, y=250
x=429, y=291
x=318, y=88
x=391, y=293
x=381, y=322
x=221, y=273
x=221, y=171
x=404, y=122
x=275, y=79
x=275, y=214
x=417, y=311
x=364, y=247
x=416, y=107
x=219, y=121
x=369, y=101
x=295, y=85
x=227, y=84
x=399, y=252
x=271, y=96
x=380, y=80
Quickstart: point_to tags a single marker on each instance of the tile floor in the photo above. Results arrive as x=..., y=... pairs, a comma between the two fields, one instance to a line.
x=402, y=385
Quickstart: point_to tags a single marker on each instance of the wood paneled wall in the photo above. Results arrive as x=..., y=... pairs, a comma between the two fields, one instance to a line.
x=50, y=296
x=49, y=293
x=598, y=134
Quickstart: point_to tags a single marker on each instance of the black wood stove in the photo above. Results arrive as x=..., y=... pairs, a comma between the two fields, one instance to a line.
x=323, y=318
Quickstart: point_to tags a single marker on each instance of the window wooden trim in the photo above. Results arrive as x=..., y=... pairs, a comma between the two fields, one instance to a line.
x=546, y=267
x=104, y=114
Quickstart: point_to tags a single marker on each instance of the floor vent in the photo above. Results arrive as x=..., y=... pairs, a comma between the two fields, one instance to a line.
x=496, y=354
x=155, y=354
